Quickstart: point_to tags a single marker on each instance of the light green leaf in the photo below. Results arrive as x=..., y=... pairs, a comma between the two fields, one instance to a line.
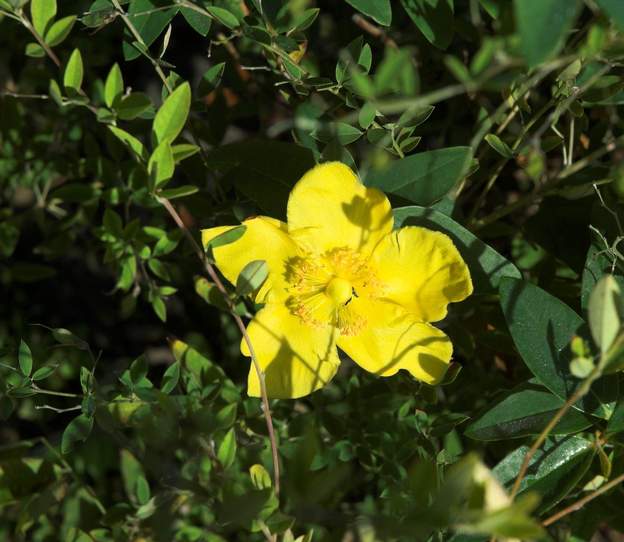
x=424, y=177
x=149, y=21
x=142, y=490
x=225, y=17
x=251, y=277
x=434, y=18
x=226, y=452
x=114, y=86
x=72, y=79
x=34, y=50
x=183, y=151
x=25, y=358
x=378, y=10
x=161, y=165
x=543, y=25
x=605, y=312
x=170, y=378
x=159, y=308
x=172, y=115
x=366, y=116
x=179, y=191
x=259, y=477
x=59, y=30
x=42, y=13
x=499, y=146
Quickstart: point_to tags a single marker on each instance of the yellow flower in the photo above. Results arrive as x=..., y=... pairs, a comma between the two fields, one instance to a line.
x=339, y=276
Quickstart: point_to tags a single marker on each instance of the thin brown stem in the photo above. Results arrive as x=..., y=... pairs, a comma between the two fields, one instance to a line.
x=374, y=31
x=580, y=392
x=241, y=326
x=28, y=25
x=582, y=502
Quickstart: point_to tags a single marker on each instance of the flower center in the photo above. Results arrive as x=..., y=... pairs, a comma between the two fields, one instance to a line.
x=322, y=285
x=339, y=290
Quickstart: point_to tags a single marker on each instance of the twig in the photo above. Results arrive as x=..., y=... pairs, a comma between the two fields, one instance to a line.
x=374, y=31
x=28, y=25
x=57, y=410
x=582, y=502
x=241, y=326
x=580, y=392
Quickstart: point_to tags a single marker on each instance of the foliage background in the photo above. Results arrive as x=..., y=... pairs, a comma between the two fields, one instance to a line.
x=121, y=384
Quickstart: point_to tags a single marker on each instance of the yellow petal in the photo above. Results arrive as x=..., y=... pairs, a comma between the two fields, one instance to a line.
x=421, y=270
x=297, y=359
x=392, y=340
x=264, y=239
x=330, y=208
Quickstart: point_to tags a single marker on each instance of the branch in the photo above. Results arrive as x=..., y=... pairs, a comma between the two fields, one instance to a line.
x=582, y=502
x=241, y=326
x=24, y=20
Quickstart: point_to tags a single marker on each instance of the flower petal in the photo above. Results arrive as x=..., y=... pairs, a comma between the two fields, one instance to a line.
x=264, y=239
x=329, y=208
x=392, y=339
x=422, y=270
x=297, y=359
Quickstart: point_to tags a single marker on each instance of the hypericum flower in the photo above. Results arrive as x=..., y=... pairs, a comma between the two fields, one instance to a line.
x=339, y=276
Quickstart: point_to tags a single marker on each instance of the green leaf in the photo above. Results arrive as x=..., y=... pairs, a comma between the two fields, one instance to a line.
x=133, y=144
x=616, y=421
x=543, y=25
x=260, y=478
x=114, y=86
x=42, y=13
x=59, y=30
x=434, y=18
x=304, y=20
x=524, y=411
x=251, y=277
x=25, y=359
x=211, y=79
x=142, y=490
x=224, y=16
x=9, y=235
x=172, y=115
x=131, y=471
x=199, y=22
x=614, y=9
x=170, y=378
x=149, y=21
x=264, y=171
x=378, y=10
x=553, y=471
x=605, y=312
x=542, y=328
x=226, y=453
x=366, y=116
x=161, y=165
x=34, y=50
x=131, y=106
x=424, y=177
x=72, y=79
x=183, y=151
x=179, y=192
x=44, y=372
x=499, y=146
x=487, y=266
x=77, y=431
x=159, y=308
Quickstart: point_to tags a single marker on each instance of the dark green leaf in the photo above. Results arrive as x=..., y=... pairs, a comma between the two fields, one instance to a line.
x=424, y=177
x=434, y=18
x=170, y=378
x=226, y=453
x=542, y=327
x=543, y=25
x=615, y=10
x=131, y=106
x=149, y=21
x=553, y=471
x=44, y=372
x=525, y=411
x=378, y=10
x=224, y=16
x=200, y=22
x=499, y=145
x=77, y=431
x=179, y=192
